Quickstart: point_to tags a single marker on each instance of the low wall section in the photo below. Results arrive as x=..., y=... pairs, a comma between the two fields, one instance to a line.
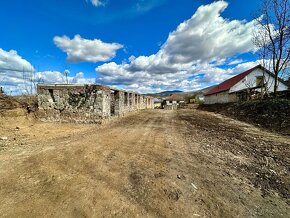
x=87, y=103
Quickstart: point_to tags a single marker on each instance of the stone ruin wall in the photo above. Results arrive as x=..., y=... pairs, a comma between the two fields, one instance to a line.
x=87, y=103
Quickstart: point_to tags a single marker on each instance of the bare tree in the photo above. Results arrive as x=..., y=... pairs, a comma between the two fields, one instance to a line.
x=250, y=84
x=272, y=36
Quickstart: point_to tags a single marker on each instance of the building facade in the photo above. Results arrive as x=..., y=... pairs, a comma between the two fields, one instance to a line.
x=254, y=80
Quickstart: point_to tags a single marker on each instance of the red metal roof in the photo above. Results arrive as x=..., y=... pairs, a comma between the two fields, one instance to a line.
x=226, y=85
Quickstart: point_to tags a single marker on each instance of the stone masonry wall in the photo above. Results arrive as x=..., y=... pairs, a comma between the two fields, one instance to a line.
x=87, y=103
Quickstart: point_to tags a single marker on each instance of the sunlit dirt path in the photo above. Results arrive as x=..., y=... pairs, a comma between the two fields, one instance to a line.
x=157, y=163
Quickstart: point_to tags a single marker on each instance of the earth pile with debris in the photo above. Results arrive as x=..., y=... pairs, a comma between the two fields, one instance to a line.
x=8, y=103
x=271, y=114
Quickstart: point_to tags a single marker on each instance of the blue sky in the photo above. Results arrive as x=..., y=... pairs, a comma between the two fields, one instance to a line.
x=131, y=44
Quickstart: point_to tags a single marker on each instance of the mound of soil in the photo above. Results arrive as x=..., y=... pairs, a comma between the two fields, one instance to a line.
x=8, y=103
x=272, y=114
x=17, y=102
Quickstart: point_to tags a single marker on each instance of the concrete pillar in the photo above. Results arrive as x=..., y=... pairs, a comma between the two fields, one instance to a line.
x=141, y=102
x=144, y=102
x=106, y=106
x=121, y=103
x=136, y=101
x=130, y=101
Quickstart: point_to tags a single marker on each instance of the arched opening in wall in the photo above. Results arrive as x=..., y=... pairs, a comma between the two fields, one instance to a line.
x=117, y=102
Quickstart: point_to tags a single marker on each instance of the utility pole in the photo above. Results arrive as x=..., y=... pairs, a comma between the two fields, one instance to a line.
x=66, y=72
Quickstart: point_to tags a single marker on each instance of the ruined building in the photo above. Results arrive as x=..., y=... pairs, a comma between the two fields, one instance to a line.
x=87, y=103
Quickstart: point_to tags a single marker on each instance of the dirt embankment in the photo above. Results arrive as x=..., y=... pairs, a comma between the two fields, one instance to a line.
x=8, y=103
x=271, y=114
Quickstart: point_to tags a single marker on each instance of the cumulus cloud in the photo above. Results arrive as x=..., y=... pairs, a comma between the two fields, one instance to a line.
x=13, y=70
x=207, y=36
x=85, y=50
x=237, y=61
x=198, y=53
x=195, y=49
x=18, y=76
x=97, y=3
x=10, y=60
x=56, y=77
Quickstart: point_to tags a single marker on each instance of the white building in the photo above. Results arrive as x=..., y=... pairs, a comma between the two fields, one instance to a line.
x=173, y=102
x=235, y=88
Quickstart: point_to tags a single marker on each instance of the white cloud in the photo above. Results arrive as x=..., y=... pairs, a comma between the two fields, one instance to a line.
x=85, y=50
x=13, y=70
x=189, y=59
x=207, y=36
x=10, y=60
x=18, y=76
x=214, y=74
x=56, y=77
x=97, y=3
x=237, y=61
x=197, y=46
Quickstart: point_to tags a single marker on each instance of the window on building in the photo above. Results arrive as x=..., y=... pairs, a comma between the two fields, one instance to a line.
x=259, y=81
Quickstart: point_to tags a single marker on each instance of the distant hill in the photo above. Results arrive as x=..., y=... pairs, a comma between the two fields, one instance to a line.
x=165, y=93
x=200, y=91
x=181, y=93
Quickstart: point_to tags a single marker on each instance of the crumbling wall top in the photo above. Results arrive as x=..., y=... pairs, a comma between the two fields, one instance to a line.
x=81, y=87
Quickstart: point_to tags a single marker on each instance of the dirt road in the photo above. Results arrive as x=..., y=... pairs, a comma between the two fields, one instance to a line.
x=184, y=163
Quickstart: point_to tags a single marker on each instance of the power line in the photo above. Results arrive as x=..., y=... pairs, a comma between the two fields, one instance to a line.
x=17, y=70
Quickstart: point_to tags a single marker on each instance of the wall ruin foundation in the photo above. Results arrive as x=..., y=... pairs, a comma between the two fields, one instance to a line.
x=87, y=103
